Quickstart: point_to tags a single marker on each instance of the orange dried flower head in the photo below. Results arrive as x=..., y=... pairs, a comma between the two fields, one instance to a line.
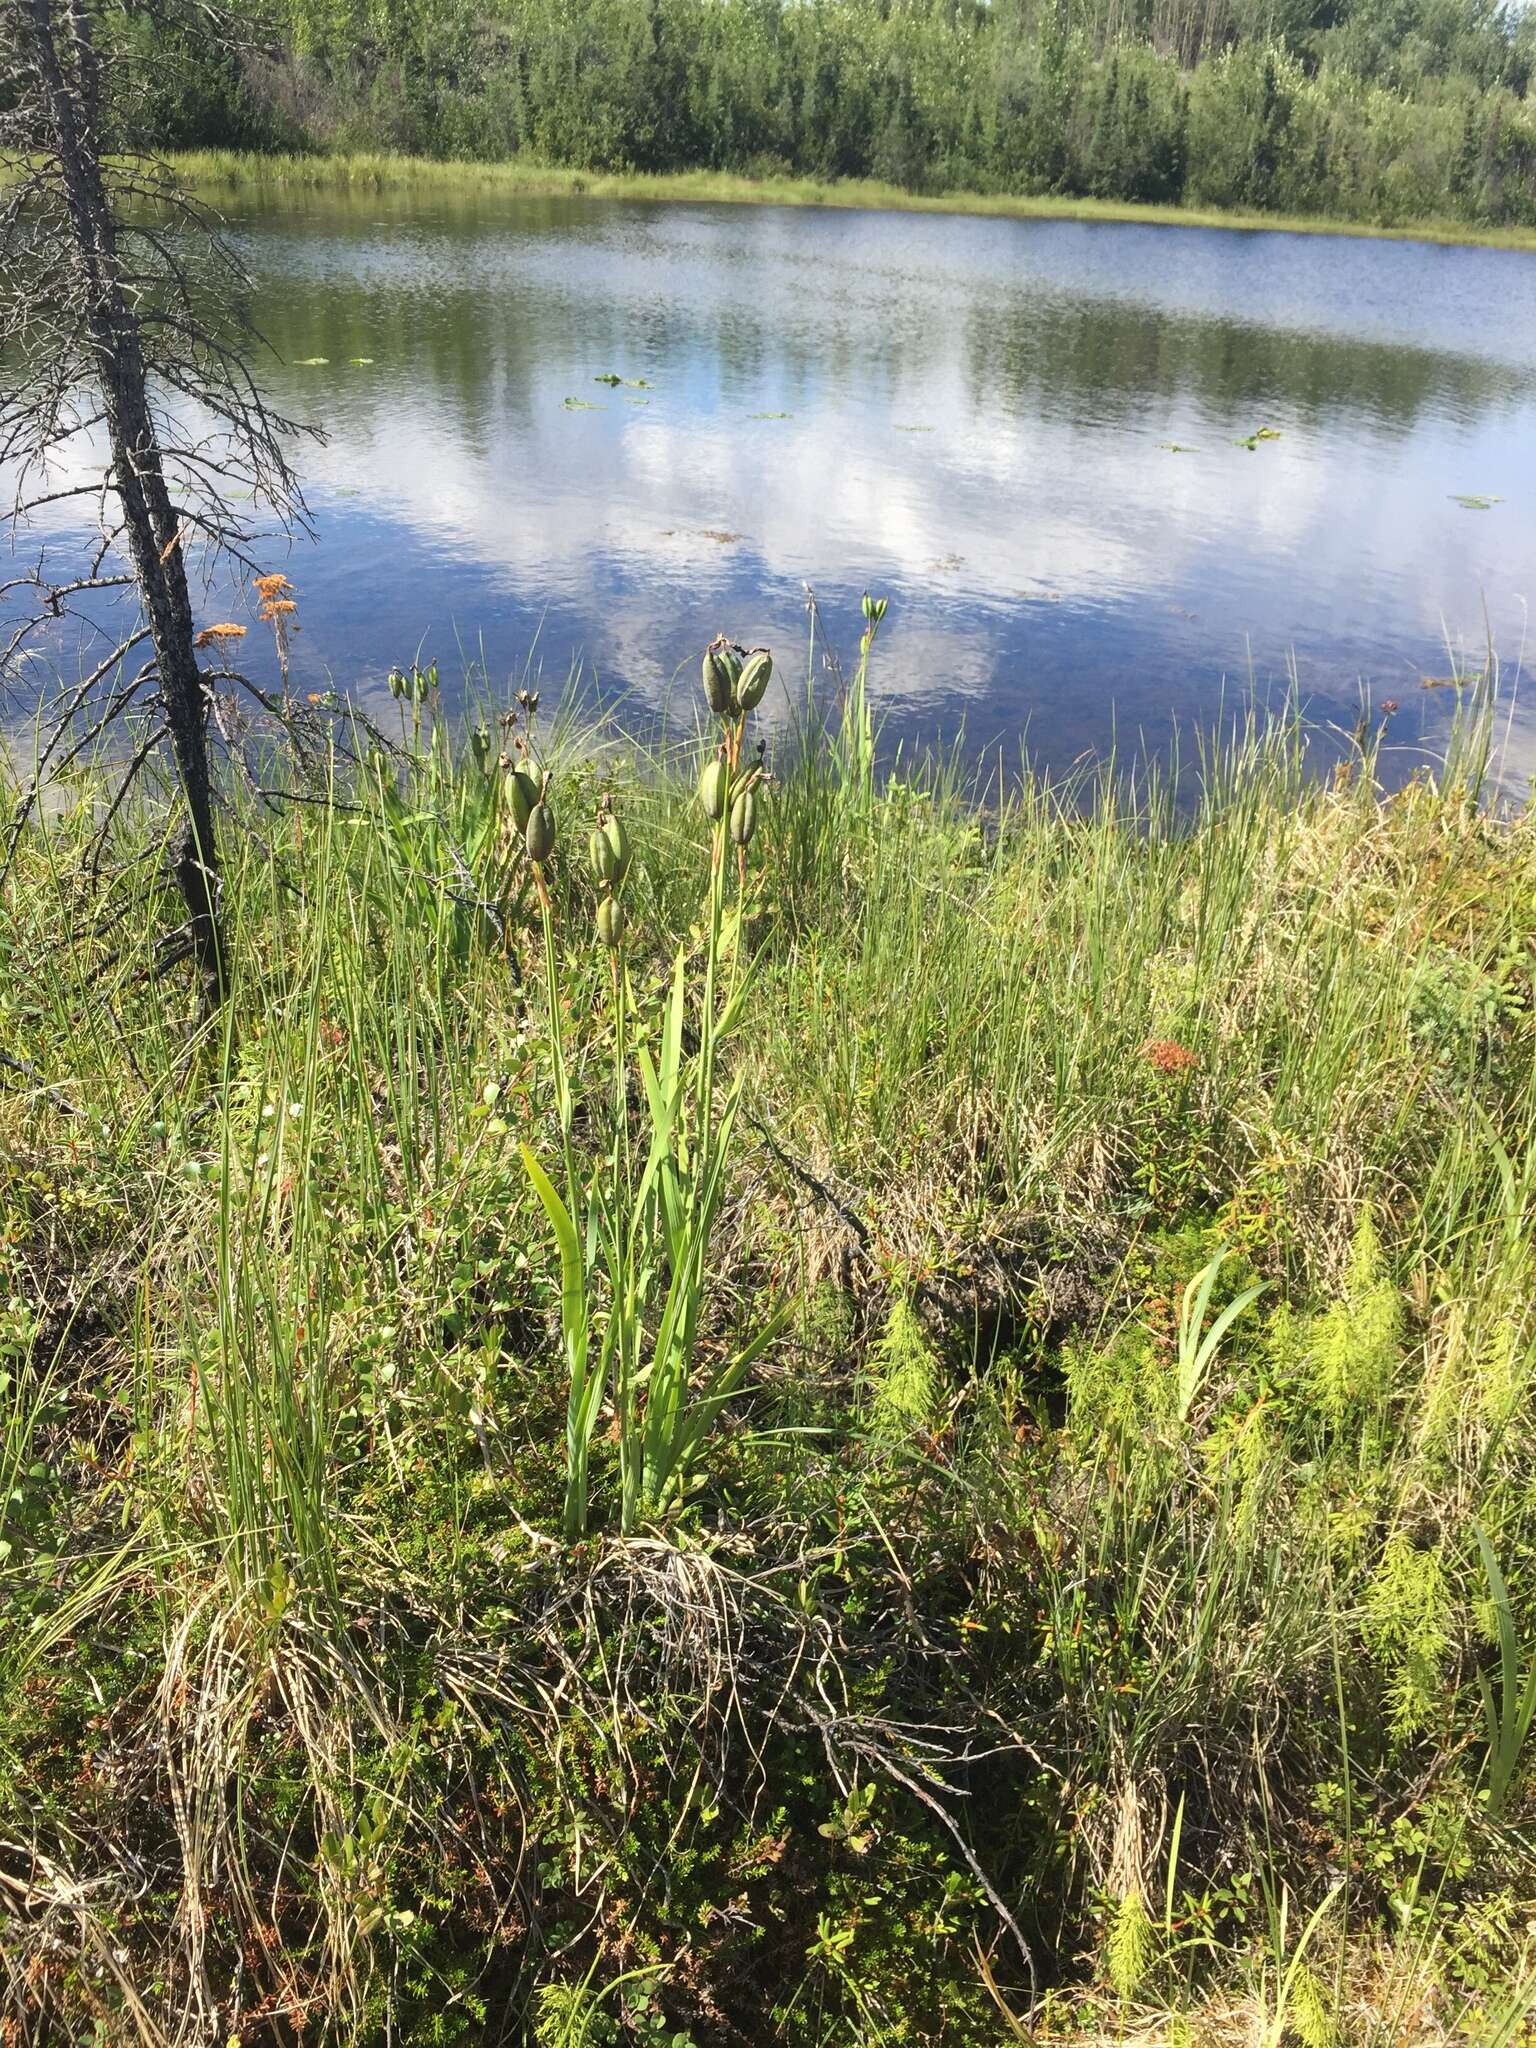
x=272, y=586
x=277, y=608
x=210, y=636
x=1168, y=1056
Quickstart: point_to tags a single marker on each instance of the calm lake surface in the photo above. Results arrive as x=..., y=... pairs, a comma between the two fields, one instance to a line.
x=1026, y=434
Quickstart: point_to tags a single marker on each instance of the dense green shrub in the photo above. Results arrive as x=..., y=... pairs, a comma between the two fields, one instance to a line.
x=1370, y=116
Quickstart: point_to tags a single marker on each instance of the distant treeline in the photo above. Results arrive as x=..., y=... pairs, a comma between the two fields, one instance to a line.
x=1379, y=110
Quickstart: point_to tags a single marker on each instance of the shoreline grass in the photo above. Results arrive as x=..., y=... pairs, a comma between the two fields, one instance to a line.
x=227, y=171
x=1080, y=1615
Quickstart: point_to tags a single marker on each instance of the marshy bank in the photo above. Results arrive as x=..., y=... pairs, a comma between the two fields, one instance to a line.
x=1101, y=1610
x=227, y=173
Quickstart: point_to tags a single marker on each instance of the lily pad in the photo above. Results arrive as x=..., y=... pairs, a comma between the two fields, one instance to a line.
x=609, y=379
x=771, y=415
x=360, y=362
x=1472, y=501
x=311, y=362
x=1251, y=441
x=1180, y=448
x=581, y=405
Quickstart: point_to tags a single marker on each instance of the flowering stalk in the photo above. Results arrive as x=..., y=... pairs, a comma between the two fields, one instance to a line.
x=639, y=1265
x=278, y=608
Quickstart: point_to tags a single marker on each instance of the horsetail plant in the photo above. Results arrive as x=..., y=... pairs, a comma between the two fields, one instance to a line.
x=634, y=1233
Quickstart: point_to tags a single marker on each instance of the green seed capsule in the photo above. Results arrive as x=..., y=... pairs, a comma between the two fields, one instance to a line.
x=744, y=817
x=600, y=854
x=610, y=921
x=713, y=788
x=719, y=680
x=521, y=790
x=539, y=833
x=480, y=749
x=754, y=679
x=623, y=852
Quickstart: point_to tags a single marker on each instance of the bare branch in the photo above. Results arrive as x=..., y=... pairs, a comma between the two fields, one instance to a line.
x=125, y=378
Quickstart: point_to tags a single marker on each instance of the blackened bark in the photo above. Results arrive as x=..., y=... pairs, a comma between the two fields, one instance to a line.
x=70, y=88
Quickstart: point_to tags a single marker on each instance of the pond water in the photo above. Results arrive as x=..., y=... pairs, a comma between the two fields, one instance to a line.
x=1040, y=440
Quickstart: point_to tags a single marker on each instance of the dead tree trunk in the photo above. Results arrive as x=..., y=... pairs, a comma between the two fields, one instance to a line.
x=67, y=67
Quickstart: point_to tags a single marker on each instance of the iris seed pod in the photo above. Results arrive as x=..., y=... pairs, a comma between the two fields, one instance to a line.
x=623, y=852
x=539, y=833
x=522, y=794
x=719, y=680
x=610, y=921
x=744, y=818
x=600, y=854
x=480, y=748
x=732, y=661
x=754, y=679
x=713, y=787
